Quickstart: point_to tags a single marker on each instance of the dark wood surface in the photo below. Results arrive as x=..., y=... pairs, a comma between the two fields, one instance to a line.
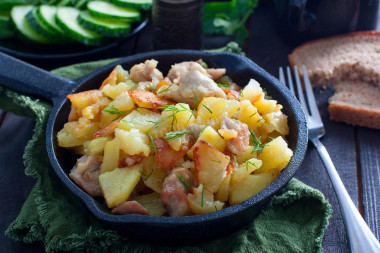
x=355, y=151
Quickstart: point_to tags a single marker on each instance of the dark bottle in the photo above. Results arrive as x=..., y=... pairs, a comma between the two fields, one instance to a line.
x=177, y=24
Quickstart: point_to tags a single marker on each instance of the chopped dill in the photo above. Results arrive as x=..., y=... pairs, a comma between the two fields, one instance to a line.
x=217, y=161
x=259, y=120
x=257, y=142
x=153, y=146
x=147, y=177
x=131, y=121
x=150, y=85
x=195, y=96
x=174, y=135
x=205, y=106
x=202, y=130
x=114, y=111
x=250, y=162
x=165, y=90
x=253, y=114
x=174, y=110
x=187, y=184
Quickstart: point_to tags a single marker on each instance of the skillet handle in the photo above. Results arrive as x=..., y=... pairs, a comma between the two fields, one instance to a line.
x=26, y=78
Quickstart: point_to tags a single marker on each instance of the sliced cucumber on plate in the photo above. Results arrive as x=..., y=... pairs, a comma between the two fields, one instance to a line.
x=107, y=27
x=19, y=21
x=47, y=15
x=111, y=11
x=39, y=26
x=88, y=22
x=67, y=19
x=138, y=4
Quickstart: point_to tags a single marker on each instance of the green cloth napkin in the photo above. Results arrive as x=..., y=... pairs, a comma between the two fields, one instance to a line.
x=294, y=221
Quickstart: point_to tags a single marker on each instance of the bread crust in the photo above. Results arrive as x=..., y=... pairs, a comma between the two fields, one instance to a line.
x=354, y=116
x=333, y=60
x=325, y=60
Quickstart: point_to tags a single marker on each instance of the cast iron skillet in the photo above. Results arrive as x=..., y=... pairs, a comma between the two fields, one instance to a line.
x=33, y=81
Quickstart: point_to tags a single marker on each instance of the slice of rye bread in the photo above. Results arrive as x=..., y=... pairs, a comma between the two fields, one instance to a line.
x=353, y=56
x=351, y=63
x=356, y=103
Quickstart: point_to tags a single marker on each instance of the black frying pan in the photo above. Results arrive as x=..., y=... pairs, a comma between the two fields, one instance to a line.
x=25, y=78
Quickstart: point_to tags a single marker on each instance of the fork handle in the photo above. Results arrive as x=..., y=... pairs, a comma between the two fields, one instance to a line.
x=360, y=237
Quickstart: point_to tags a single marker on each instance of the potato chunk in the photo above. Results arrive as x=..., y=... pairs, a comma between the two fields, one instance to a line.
x=141, y=119
x=111, y=156
x=250, y=186
x=151, y=202
x=118, y=184
x=210, y=166
x=202, y=201
x=244, y=169
x=211, y=136
x=152, y=175
x=133, y=142
x=275, y=155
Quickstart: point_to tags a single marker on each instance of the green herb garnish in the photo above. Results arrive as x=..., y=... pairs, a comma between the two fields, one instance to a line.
x=165, y=90
x=174, y=135
x=253, y=114
x=250, y=162
x=174, y=110
x=217, y=161
x=205, y=106
x=187, y=184
x=150, y=85
x=114, y=111
x=195, y=96
x=153, y=146
x=131, y=121
x=257, y=142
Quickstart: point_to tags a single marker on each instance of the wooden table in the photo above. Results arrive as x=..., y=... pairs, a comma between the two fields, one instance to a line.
x=354, y=150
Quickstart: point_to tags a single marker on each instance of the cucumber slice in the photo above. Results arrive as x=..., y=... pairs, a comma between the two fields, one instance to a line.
x=81, y=4
x=39, y=26
x=111, y=11
x=64, y=3
x=107, y=27
x=138, y=4
x=18, y=19
x=47, y=15
x=67, y=19
x=5, y=27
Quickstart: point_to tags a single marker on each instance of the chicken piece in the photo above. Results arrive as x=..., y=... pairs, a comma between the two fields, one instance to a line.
x=130, y=207
x=130, y=160
x=179, y=69
x=146, y=72
x=193, y=87
x=86, y=174
x=174, y=192
x=240, y=143
x=215, y=74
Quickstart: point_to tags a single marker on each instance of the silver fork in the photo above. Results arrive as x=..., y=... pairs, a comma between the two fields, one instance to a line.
x=360, y=237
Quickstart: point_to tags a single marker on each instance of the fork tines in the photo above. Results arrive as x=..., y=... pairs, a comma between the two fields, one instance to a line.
x=310, y=108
